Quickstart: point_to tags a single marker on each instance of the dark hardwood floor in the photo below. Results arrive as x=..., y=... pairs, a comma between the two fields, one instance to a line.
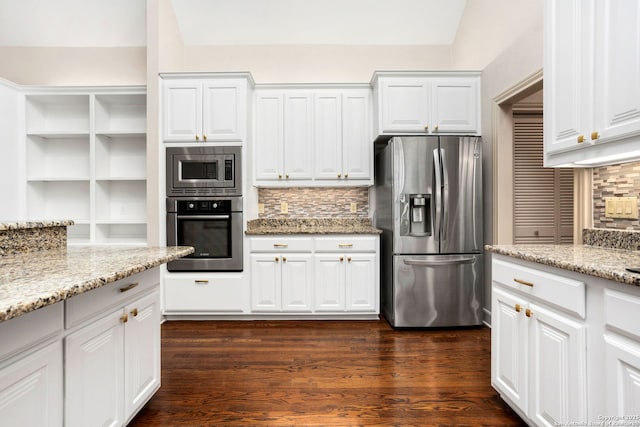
x=323, y=373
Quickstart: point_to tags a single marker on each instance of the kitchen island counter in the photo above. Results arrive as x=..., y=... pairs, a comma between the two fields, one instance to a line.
x=36, y=279
x=268, y=226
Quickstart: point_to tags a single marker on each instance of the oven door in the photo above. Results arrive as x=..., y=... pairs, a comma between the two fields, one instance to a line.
x=217, y=240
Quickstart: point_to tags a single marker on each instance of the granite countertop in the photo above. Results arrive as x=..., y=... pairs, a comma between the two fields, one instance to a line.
x=32, y=280
x=311, y=226
x=604, y=262
x=23, y=225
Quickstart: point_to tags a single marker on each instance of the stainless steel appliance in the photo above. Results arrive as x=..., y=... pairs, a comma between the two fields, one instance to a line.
x=429, y=206
x=213, y=226
x=204, y=207
x=202, y=171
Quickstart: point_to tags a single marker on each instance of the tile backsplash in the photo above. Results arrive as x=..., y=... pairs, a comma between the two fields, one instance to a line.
x=615, y=181
x=314, y=202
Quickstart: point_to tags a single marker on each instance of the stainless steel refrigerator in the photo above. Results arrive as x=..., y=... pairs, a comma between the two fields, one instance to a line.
x=429, y=208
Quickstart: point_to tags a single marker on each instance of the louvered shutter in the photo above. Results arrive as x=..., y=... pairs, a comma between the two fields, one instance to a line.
x=543, y=197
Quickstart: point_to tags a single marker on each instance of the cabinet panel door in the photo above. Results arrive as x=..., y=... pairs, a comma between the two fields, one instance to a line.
x=31, y=389
x=223, y=111
x=454, y=105
x=297, y=282
x=557, y=368
x=269, y=136
x=328, y=135
x=182, y=102
x=568, y=70
x=509, y=347
x=622, y=375
x=142, y=351
x=618, y=82
x=329, y=282
x=266, y=278
x=357, y=149
x=361, y=282
x=94, y=374
x=405, y=105
x=298, y=135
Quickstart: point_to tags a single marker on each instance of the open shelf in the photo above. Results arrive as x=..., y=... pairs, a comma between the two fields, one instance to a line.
x=121, y=233
x=58, y=158
x=57, y=114
x=58, y=200
x=121, y=157
x=78, y=234
x=121, y=113
x=121, y=201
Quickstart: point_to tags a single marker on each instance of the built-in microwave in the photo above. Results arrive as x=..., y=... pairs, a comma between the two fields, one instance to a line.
x=202, y=171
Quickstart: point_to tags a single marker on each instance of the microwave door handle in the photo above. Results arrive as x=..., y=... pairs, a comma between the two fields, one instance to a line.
x=437, y=194
x=179, y=217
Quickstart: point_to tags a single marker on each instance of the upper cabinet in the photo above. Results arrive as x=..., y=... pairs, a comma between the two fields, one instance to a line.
x=592, y=82
x=426, y=103
x=312, y=136
x=205, y=108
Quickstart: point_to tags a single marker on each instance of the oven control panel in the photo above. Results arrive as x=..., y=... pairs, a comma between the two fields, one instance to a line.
x=204, y=206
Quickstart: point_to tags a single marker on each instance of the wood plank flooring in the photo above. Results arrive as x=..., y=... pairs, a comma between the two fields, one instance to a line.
x=323, y=373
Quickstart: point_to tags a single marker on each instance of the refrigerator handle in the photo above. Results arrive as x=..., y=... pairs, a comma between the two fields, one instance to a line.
x=435, y=263
x=445, y=194
x=437, y=194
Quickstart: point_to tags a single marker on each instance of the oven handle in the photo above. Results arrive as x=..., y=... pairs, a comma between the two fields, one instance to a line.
x=203, y=216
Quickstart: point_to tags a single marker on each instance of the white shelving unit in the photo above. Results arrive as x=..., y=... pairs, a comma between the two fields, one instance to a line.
x=85, y=150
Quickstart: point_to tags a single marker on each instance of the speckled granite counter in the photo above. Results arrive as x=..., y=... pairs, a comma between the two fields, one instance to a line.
x=32, y=280
x=595, y=261
x=16, y=237
x=311, y=226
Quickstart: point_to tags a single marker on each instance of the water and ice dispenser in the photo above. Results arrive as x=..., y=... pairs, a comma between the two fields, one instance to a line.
x=415, y=214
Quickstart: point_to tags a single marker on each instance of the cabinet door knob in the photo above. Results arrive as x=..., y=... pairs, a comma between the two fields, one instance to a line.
x=277, y=259
x=595, y=135
x=580, y=139
x=341, y=258
x=528, y=312
x=518, y=308
x=134, y=312
x=284, y=259
x=197, y=137
x=435, y=128
x=287, y=176
x=348, y=259
x=426, y=127
x=124, y=318
x=279, y=176
x=339, y=175
x=346, y=175
x=204, y=137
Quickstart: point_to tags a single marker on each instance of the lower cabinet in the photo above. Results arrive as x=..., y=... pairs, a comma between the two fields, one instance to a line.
x=333, y=276
x=113, y=365
x=31, y=389
x=538, y=347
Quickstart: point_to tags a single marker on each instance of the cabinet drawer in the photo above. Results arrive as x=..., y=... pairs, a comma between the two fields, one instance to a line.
x=617, y=307
x=348, y=243
x=84, y=306
x=30, y=329
x=281, y=244
x=199, y=293
x=565, y=294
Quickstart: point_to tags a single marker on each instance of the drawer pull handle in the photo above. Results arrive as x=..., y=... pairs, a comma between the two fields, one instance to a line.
x=200, y=281
x=523, y=282
x=124, y=318
x=518, y=308
x=280, y=245
x=129, y=287
x=134, y=312
x=528, y=312
x=345, y=245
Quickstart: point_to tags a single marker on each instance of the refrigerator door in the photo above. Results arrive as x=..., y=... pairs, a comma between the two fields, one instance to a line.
x=436, y=291
x=460, y=159
x=414, y=195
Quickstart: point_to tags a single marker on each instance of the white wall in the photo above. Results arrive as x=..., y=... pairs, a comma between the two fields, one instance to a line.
x=11, y=159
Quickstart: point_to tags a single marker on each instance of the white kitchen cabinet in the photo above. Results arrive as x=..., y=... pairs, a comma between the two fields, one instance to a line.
x=538, y=339
x=346, y=282
x=31, y=389
x=343, y=148
x=426, y=103
x=205, y=293
x=312, y=136
x=112, y=361
x=281, y=282
x=592, y=82
x=212, y=109
x=85, y=155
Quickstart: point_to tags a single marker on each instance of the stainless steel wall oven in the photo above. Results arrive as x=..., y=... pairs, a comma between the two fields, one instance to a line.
x=204, y=207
